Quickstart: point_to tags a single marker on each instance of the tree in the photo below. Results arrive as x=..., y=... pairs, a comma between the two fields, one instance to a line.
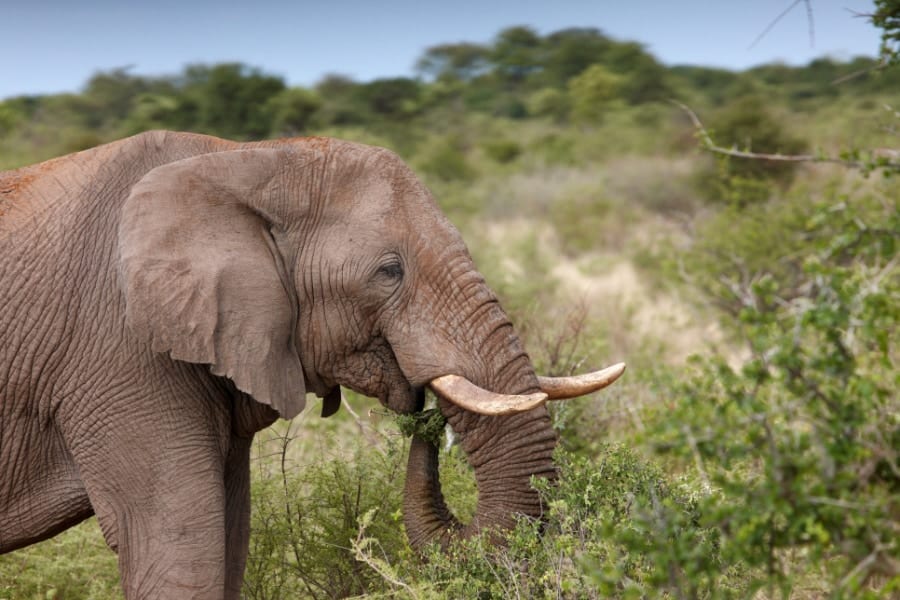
x=293, y=110
x=111, y=95
x=568, y=52
x=12, y=113
x=231, y=99
x=887, y=18
x=463, y=61
x=390, y=97
x=343, y=105
x=516, y=53
x=643, y=78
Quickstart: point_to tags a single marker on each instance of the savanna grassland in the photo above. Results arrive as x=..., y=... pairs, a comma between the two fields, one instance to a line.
x=750, y=451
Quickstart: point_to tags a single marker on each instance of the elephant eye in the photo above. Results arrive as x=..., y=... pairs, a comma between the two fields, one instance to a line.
x=391, y=270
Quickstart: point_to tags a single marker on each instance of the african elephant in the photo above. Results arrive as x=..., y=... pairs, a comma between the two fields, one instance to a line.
x=166, y=296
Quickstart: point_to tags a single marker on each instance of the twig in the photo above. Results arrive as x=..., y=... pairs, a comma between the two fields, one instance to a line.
x=370, y=432
x=859, y=73
x=864, y=565
x=360, y=545
x=698, y=459
x=812, y=24
x=821, y=500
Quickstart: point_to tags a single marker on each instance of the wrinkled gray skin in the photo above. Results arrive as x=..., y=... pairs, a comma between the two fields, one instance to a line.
x=164, y=297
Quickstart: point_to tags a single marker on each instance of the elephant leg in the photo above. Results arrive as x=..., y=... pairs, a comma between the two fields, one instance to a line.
x=155, y=478
x=167, y=524
x=237, y=514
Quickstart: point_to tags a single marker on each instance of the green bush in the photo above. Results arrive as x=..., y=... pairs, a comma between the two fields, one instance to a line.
x=736, y=246
x=502, y=151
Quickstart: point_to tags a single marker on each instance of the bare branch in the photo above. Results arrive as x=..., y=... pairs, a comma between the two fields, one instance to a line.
x=811, y=22
x=861, y=72
x=770, y=26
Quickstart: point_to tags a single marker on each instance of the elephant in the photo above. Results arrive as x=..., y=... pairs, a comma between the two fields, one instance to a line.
x=166, y=296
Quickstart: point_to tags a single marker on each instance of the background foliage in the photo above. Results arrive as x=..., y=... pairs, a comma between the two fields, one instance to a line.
x=764, y=466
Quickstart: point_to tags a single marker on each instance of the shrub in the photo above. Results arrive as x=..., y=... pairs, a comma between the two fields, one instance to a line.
x=587, y=219
x=747, y=124
x=798, y=445
x=502, y=151
x=615, y=528
x=592, y=91
x=735, y=246
x=548, y=102
x=556, y=149
x=446, y=161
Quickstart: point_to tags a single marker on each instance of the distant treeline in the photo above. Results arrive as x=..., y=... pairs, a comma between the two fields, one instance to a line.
x=570, y=75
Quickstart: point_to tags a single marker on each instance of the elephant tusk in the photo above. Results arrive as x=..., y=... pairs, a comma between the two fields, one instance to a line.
x=465, y=394
x=562, y=388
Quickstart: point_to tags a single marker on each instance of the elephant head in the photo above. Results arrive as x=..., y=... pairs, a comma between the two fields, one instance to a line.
x=315, y=263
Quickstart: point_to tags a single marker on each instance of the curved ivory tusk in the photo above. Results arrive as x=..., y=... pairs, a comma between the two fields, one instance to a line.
x=465, y=394
x=562, y=388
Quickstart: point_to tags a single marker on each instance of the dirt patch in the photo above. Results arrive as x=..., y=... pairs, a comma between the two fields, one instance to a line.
x=620, y=297
x=638, y=316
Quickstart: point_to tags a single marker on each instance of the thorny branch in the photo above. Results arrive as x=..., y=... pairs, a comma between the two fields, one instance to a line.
x=877, y=161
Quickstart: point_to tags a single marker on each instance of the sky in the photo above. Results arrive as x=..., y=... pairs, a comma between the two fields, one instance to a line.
x=51, y=46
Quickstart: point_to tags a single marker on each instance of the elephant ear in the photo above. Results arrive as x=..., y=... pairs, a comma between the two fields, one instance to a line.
x=202, y=275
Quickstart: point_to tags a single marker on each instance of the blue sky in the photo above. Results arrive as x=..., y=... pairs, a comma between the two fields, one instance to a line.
x=51, y=46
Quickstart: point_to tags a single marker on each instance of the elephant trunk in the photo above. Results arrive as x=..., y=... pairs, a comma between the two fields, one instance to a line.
x=504, y=451
x=425, y=513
